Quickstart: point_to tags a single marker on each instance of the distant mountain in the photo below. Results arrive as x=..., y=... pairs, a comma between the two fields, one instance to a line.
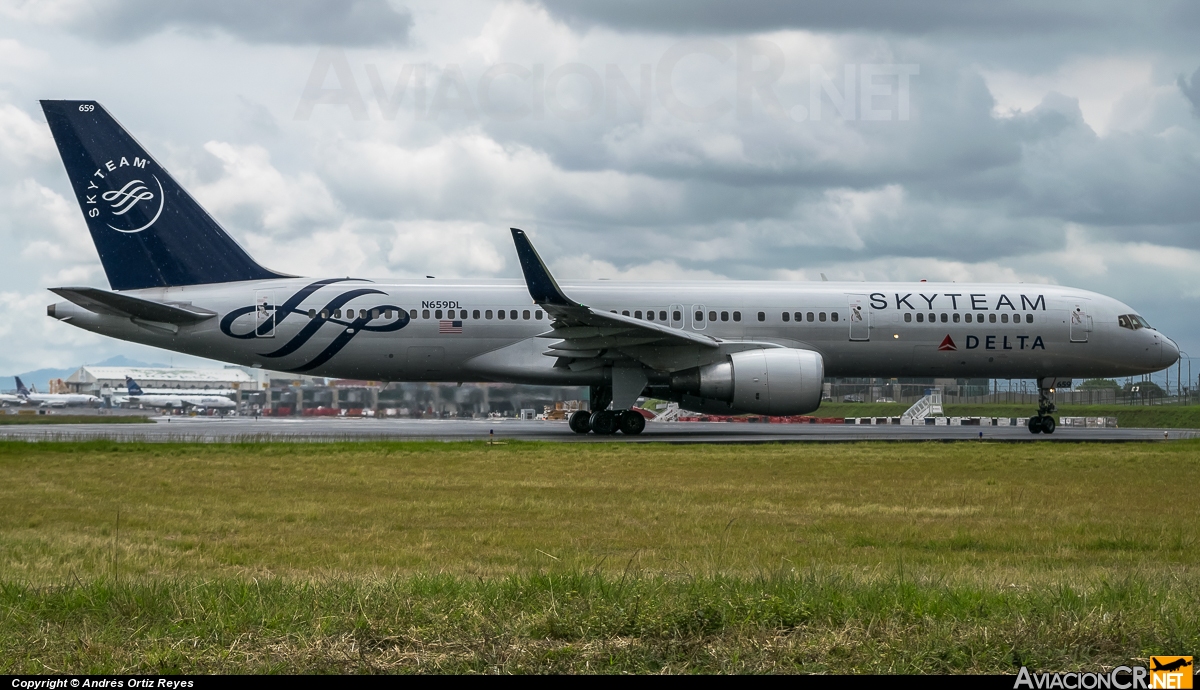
x=41, y=377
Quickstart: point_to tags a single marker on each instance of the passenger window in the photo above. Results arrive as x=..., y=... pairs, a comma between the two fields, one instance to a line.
x=337, y=313
x=1004, y=318
x=324, y=314
x=933, y=318
x=786, y=317
x=737, y=316
x=412, y=314
x=312, y=313
x=499, y=313
x=945, y=317
x=821, y=317
x=475, y=314
x=699, y=316
x=762, y=316
x=991, y=318
x=487, y=314
x=374, y=313
x=677, y=316
x=525, y=315
x=1029, y=318
x=810, y=317
x=662, y=315
x=625, y=313
x=437, y=314
x=424, y=313
x=834, y=316
x=387, y=314
x=799, y=316
x=649, y=316
x=637, y=314
x=907, y=317
x=956, y=317
x=979, y=318
x=968, y=318
x=538, y=314
x=712, y=316
x=724, y=316
x=512, y=314
x=920, y=318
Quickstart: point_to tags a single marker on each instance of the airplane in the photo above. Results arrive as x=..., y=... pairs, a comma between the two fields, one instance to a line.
x=173, y=400
x=180, y=282
x=53, y=399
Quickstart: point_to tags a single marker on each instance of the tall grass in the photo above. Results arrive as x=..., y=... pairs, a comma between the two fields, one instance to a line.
x=561, y=557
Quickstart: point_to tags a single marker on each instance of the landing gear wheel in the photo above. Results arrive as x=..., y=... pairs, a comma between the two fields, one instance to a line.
x=579, y=421
x=1048, y=424
x=604, y=423
x=632, y=423
x=1035, y=425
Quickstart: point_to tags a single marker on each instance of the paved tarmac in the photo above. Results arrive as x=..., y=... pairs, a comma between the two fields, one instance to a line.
x=209, y=429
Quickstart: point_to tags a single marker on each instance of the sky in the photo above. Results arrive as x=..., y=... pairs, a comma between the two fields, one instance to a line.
x=964, y=140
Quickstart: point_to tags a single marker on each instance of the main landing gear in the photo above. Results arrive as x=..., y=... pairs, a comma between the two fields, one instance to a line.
x=608, y=422
x=1043, y=423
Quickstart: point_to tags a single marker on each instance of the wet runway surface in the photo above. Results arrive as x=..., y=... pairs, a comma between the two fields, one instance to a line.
x=234, y=429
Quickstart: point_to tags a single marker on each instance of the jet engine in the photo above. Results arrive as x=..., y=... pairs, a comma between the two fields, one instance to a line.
x=775, y=381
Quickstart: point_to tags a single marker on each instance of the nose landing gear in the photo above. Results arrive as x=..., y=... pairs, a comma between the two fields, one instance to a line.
x=1043, y=423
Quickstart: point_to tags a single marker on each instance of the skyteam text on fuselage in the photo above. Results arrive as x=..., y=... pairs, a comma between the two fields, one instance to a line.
x=180, y=282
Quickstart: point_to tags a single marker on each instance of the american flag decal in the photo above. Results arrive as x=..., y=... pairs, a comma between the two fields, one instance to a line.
x=449, y=327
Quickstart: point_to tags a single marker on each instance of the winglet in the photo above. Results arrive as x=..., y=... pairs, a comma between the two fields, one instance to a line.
x=542, y=287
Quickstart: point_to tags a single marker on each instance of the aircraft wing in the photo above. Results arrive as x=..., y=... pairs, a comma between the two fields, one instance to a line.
x=117, y=304
x=587, y=337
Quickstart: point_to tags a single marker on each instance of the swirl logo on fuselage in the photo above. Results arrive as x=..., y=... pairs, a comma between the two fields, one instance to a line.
x=278, y=313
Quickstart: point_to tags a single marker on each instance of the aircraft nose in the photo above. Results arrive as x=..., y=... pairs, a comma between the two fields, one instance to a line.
x=1170, y=352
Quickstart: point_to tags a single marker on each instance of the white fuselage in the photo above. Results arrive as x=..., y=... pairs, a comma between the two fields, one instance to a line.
x=860, y=329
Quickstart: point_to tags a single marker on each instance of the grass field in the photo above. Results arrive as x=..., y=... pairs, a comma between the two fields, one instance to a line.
x=73, y=419
x=607, y=557
x=1128, y=416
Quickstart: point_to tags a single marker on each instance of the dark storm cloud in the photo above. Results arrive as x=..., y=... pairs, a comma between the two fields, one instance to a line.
x=915, y=17
x=340, y=22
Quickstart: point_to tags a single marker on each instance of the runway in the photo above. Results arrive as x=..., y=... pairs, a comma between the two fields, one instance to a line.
x=243, y=429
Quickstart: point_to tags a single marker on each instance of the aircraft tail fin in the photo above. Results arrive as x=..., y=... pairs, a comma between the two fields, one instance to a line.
x=148, y=230
x=132, y=386
x=21, y=389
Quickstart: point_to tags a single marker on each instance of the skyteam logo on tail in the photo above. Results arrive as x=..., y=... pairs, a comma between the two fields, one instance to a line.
x=134, y=199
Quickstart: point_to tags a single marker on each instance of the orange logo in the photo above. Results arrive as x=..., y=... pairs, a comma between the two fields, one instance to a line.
x=1171, y=672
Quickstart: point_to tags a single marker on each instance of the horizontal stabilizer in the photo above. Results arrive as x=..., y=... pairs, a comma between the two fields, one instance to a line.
x=115, y=304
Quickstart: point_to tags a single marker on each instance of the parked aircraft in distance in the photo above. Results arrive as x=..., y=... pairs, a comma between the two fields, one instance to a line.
x=173, y=401
x=53, y=399
x=180, y=282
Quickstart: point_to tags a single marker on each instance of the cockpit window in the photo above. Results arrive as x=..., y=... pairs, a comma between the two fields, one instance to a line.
x=1132, y=322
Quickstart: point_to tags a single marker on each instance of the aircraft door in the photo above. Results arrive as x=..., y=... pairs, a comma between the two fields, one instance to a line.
x=860, y=317
x=699, y=320
x=677, y=315
x=264, y=313
x=1081, y=323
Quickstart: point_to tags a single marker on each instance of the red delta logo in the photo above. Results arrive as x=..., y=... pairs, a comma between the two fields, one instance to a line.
x=947, y=345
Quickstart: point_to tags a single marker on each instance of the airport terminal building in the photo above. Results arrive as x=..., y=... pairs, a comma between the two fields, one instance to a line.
x=105, y=381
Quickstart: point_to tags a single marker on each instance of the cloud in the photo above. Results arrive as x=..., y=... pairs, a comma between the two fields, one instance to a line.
x=338, y=22
x=1191, y=90
x=919, y=17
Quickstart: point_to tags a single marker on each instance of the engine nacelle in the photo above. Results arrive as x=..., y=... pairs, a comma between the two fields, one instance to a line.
x=775, y=381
